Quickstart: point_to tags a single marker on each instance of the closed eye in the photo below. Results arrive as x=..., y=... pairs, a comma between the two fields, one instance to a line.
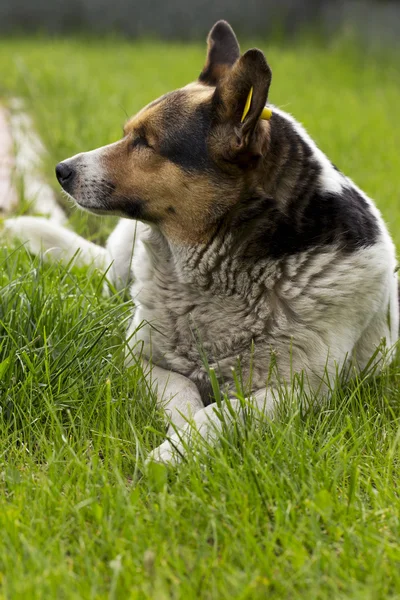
x=139, y=141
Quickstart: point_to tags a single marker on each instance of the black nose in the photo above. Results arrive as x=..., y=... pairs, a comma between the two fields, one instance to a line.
x=65, y=174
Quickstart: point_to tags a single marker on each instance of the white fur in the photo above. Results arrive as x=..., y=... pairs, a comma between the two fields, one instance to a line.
x=41, y=234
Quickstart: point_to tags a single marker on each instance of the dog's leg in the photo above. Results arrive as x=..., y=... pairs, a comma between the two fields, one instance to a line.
x=43, y=235
x=121, y=246
x=176, y=394
x=207, y=423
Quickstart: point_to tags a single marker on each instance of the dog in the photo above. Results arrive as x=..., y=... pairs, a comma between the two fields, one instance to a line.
x=243, y=244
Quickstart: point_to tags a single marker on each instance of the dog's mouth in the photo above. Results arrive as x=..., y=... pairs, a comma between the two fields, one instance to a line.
x=87, y=202
x=92, y=209
x=93, y=201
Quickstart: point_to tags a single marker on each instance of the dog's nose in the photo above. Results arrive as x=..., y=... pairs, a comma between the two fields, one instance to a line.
x=65, y=174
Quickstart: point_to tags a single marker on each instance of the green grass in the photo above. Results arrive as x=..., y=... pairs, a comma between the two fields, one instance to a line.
x=304, y=507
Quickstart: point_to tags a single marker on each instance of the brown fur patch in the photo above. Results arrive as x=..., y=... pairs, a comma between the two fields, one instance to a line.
x=186, y=210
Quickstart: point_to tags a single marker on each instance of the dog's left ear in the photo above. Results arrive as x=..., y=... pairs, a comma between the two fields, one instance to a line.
x=248, y=80
x=223, y=52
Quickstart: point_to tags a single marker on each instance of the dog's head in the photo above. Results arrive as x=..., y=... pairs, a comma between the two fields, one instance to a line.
x=188, y=157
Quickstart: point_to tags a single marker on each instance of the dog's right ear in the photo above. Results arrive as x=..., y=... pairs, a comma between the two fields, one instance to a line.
x=223, y=52
x=239, y=104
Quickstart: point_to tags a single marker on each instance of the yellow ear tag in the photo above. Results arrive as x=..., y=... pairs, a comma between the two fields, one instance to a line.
x=247, y=105
x=266, y=113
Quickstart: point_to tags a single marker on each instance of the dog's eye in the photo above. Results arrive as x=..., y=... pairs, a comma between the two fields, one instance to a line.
x=139, y=142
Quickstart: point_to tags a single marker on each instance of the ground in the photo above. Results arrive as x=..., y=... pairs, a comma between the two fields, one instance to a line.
x=307, y=506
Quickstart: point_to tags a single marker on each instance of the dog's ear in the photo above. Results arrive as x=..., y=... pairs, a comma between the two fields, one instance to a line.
x=239, y=101
x=223, y=52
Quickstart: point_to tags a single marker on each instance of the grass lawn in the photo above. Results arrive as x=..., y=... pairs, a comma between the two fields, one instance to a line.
x=305, y=507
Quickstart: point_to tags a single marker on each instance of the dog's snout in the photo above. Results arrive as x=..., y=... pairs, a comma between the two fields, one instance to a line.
x=65, y=174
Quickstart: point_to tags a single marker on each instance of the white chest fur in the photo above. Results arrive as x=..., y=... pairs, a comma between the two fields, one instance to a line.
x=180, y=324
x=312, y=311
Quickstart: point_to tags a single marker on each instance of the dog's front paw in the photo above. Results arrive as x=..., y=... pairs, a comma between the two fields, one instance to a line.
x=167, y=453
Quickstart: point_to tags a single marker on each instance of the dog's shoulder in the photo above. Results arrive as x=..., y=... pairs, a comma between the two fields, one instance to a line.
x=320, y=207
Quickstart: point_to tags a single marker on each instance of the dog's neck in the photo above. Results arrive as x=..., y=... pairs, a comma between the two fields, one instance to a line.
x=287, y=177
x=288, y=166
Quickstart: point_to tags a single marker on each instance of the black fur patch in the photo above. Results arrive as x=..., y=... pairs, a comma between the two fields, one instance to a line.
x=132, y=208
x=184, y=140
x=327, y=219
x=309, y=216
